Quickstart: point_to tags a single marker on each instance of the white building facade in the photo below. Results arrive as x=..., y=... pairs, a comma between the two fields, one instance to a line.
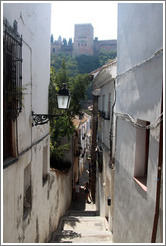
x=34, y=198
x=85, y=141
x=138, y=158
x=104, y=89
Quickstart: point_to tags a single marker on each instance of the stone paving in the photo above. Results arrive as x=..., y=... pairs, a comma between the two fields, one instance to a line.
x=82, y=223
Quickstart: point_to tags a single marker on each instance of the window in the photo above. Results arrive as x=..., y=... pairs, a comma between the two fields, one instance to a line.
x=12, y=86
x=27, y=192
x=105, y=115
x=141, y=155
x=100, y=159
x=45, y=164
x=12, y=71
x=109, y=104
x=53, y=50
x=103, y=103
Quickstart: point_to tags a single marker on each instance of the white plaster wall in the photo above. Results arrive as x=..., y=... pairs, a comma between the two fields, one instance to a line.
x=106, y=124
x=145, y=27
x=133, y=207
x=105, y=180
x=138, y=93
x=51, y=200
x=34, y=26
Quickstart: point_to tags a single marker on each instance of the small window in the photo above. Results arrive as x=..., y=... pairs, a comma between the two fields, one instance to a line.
x=100, y=159
x=141, y=155
x=103, y=106
x=109, y=103
x=27, y=192
x=103, y=103
x=53, y=50
x=45, y=164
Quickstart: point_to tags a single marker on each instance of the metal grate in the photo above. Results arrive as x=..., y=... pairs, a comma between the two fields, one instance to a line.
x=12, y=70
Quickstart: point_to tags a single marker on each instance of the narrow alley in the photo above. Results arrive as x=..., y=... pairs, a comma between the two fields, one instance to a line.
x=82, y=223
x=82, y=156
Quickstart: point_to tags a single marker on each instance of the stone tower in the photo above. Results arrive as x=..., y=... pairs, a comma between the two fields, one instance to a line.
x=83, y=39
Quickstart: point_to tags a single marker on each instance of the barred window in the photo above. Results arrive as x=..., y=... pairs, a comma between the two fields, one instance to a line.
x=12, y=86
x=12, y=70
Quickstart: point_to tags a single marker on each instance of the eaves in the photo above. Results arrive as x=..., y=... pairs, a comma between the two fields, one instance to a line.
x=104, y=75
x=102, y=79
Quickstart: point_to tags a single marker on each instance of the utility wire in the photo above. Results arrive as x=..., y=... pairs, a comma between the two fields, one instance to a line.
x=128, y=117
x=160, y=51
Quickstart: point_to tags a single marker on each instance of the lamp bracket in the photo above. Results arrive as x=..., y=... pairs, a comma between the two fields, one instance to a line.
x=41, y=119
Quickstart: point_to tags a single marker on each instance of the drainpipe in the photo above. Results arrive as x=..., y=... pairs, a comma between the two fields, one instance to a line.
x=160, y=159
x=111, y=130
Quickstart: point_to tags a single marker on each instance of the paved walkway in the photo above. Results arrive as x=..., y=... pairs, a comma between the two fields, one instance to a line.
x=82, y=224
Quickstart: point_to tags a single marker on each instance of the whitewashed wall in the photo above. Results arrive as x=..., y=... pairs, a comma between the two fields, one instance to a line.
x=105, y=179
x=138, y=93
x=51, y=199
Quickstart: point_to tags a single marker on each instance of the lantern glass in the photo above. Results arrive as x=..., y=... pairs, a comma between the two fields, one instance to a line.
x=63, y=101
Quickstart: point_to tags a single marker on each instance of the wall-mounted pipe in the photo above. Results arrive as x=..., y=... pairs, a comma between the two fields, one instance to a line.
x=160, y=160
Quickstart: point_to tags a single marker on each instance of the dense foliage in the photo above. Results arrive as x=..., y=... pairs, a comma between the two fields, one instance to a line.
x=82, y=64
x=63, y=127
x=73, y=72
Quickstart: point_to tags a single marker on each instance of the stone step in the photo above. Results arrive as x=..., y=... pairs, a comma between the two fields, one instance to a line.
x=83, y=224
x=82, y=213
x=82, y=237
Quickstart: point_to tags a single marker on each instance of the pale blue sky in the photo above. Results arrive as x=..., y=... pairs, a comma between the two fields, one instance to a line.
x=101, y=14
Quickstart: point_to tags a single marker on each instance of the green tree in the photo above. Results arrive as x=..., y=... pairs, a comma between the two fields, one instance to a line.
x=81, y=65
x=59, y=127
x=70, y=42
x=87, y=64
x=105, y=56
x=63, y=126
x=52, y=38
x=52, y=92
x=78, y=87
x=64, y=41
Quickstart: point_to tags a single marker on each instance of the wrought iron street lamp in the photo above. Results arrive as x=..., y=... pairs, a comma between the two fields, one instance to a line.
x=63, y=98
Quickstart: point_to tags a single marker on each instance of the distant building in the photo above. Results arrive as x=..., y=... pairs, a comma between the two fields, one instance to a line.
x=84, y=43
x=56, y=47
x=108, y=45
x=83, y=40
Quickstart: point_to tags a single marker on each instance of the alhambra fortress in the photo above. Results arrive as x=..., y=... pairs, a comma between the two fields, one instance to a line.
x=84, y=43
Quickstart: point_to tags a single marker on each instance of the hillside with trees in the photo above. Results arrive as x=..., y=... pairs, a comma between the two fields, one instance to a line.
x=74, y=72
x=82, y=64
